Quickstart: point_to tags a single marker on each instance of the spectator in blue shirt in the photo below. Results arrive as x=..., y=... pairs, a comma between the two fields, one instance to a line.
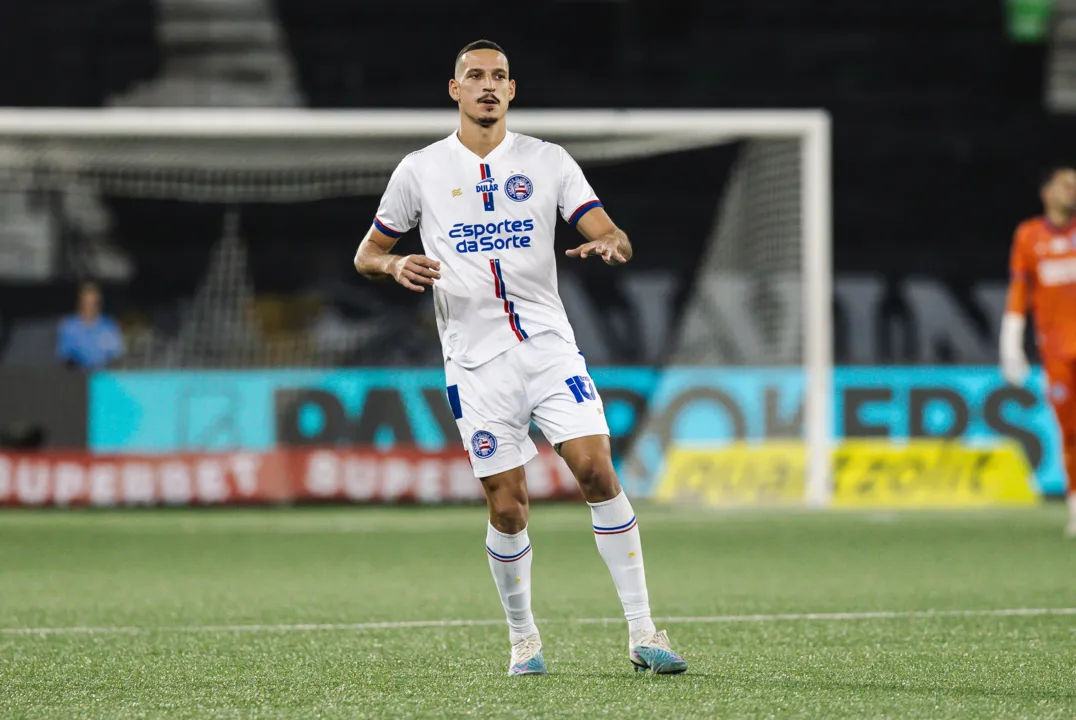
x=89, y=339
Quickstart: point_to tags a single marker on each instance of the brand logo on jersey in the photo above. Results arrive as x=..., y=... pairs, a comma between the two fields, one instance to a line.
x=1059, y=246
x=1057, y=272
x=518, y=188
x=483, y=444
x=582, y=388
x=456, y=192
x=486, y=187
x=483, y=237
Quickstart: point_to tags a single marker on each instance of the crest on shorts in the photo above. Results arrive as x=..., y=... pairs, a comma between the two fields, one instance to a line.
x=518, y=188
x=483, y=444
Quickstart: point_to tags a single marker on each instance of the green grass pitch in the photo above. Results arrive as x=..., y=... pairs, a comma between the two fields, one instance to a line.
x=318, y=613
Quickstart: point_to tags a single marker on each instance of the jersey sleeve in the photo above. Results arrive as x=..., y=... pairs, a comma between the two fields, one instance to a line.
x=400, y=208
x=576, y=197
x=1021, y=273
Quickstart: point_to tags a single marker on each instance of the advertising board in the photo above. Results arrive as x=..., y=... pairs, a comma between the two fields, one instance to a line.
x=652, y=413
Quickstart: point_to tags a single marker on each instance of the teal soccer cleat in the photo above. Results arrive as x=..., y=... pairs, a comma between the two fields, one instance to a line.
x=652, y=652
x=527, y=657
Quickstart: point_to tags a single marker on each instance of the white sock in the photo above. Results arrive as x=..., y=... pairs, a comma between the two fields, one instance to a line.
x=617, y=535
x=1071, y=498
x=510, y=562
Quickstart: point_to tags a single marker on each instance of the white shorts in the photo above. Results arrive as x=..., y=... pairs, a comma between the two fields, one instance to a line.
x=544, y=378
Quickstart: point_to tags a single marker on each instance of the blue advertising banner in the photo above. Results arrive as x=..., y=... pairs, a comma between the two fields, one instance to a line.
x=140, y=412
x=708, y=407
x=149, y=412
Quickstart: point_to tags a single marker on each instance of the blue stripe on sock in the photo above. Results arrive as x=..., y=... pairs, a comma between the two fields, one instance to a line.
x=506, y=558
x=618, y=527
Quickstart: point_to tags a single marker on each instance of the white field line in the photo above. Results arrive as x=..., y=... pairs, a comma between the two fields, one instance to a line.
x=409, y=624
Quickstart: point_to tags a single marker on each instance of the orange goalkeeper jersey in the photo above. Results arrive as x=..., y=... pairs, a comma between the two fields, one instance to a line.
x=1043, y=267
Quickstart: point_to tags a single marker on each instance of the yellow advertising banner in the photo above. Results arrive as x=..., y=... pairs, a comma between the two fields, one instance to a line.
x=867, y=474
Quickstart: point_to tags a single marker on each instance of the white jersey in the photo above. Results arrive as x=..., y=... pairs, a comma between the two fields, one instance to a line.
x=490, y=223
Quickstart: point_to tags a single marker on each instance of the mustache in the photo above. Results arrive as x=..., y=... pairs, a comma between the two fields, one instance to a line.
x=494, y=98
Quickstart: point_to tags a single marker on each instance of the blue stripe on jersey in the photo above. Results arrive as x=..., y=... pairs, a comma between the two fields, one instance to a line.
x=385, y=229
x=487, y=197
x=583, y=210
x=509, y=306
x=512, y=309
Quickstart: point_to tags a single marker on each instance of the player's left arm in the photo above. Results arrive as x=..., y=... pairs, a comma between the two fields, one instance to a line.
x=580, y=207
x=603, y=238
x=1014, y=364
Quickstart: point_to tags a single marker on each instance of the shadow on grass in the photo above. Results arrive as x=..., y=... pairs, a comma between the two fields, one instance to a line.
x=621, y=674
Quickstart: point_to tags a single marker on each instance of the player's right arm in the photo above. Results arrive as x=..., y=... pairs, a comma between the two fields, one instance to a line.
x=399, y=212
x=1014, y=365
x=374, y=259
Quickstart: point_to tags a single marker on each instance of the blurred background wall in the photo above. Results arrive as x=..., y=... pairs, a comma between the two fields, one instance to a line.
x=944, y=112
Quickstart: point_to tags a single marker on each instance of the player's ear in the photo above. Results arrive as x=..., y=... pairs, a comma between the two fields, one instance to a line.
x=511, y=89
x=454, y=90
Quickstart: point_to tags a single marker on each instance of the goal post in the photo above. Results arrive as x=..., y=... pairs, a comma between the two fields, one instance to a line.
x=818, y=300
x=781, y=189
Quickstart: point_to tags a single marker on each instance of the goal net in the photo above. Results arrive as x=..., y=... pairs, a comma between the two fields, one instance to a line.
x=738, y=407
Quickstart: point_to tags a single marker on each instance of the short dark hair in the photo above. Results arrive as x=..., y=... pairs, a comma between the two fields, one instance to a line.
x=477, y=45
x=1052, y=172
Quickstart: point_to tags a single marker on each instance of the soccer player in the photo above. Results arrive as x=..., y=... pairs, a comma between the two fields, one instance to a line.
x=486, y=201
x=1043, y=268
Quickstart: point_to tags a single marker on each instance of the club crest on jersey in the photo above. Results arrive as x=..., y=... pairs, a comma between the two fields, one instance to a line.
x=483, y=444
x=518, y=188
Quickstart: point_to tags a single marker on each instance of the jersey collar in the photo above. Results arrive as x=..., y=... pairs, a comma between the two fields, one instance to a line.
x=500, y=149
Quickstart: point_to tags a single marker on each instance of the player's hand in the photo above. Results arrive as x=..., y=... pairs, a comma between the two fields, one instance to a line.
x=1015, y=368
x=607, y=248
x=416, y=271
x=1014, y=365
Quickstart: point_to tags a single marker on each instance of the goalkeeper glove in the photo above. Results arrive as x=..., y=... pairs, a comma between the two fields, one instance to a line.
x=1014, y=366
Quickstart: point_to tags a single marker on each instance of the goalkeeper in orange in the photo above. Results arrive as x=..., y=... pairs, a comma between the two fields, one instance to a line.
x=1043, y=280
